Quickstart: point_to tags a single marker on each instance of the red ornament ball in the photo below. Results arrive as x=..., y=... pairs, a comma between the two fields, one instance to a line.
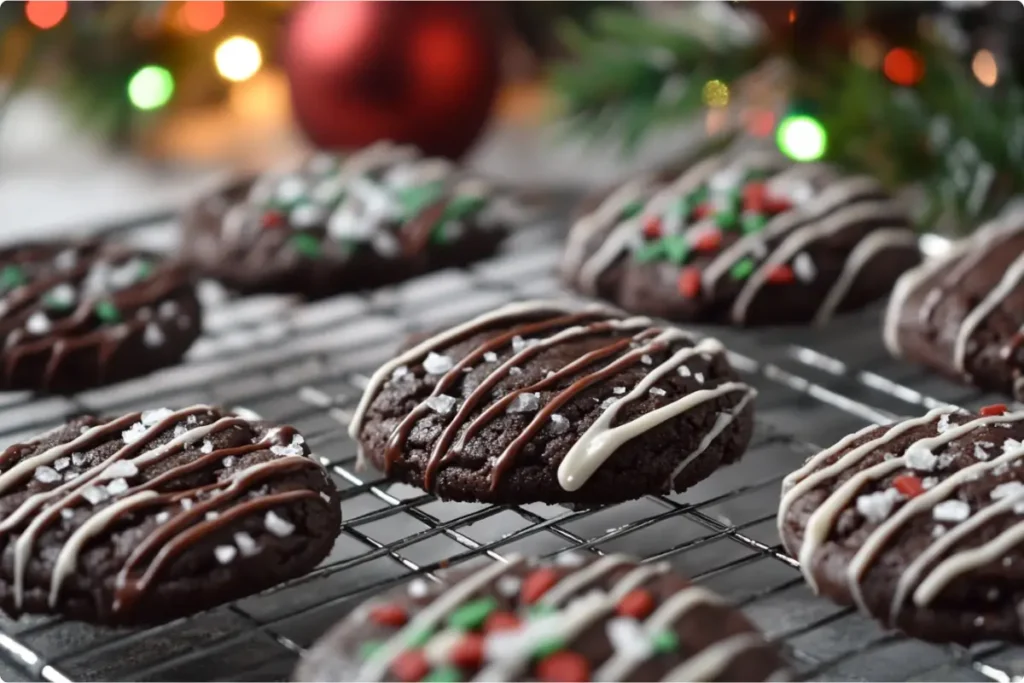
x=420, y=73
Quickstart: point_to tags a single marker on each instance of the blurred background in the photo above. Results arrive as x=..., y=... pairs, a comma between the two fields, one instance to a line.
x=121, y=109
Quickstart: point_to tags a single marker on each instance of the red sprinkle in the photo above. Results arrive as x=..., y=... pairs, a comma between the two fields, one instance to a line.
x=774, y=205
x=410, y=666
x=652, y=227
x=273, y=219
x=468, y=653
x=753, y=197
x=537, y=584
x=564, y=667
x=389, y=615
x=708, y=241
x=781, y=275
x=501, y=621
x=702, y=211
x=636, y=603
x=909, y=485
x=689, y=282
x=994, y=409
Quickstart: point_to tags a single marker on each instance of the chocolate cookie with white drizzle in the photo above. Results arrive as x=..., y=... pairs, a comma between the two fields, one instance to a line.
x=918, y=523
x=745, y=237
x=158, y=514
x=574, y=619
x=545, y=401
x=340, y=222
x=962, y=313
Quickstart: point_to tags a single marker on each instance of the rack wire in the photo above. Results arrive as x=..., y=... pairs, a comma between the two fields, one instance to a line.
x=305, y=364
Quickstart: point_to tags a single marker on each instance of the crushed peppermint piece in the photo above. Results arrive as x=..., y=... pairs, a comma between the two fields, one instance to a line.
x=952, y=510
x=441, y=404
x=117, y=486
x=929, y=482
x=400, y=372
x=152, y=417
x=94, y=494
x=1007, y=489
x=876, y=507
x=207, y=446
x=133, y=433
x=187, y=503
x=618, y=391
x=524, y=403
x=162, y=516
x=211, y=515
x=980, y=453
x=921, y=458
x=246, y=544
x=1011, y=445
x=938, y=531
x=436, y=364
x=684, y=371
x=62, y=464
x=518, y=343
x=46, y=475
x=120, y=468
x=559, y=424
x=277, y=525
x=419, y=589
x=943, y=424
x=225, y=553
x=67, y=513
x=179, y=430
x=569, y=559
x=699, y=376
x=153, y=336
x=658, y=391
x=608, y=402
x=229, y=461
x=291, y=449
x=490, y=356
x=78, y=459
x=646, y=359
x=38, y=324
x=628, y=638
x=803, y=267
x=508, y=585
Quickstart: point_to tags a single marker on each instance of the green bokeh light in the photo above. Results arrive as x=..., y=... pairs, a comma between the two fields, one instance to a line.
x=802, y=138
x=151, y=87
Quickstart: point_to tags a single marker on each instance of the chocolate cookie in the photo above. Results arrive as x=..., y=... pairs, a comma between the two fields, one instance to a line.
x=155, y=515
x=540, y=402
x=75, y=316
x=745, y=237
x=607, y=619
x=918, y=523
x=963, y=313
x=341, y=223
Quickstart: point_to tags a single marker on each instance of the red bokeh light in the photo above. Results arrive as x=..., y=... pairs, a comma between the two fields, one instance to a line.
x=903, y=66
x=45, y=13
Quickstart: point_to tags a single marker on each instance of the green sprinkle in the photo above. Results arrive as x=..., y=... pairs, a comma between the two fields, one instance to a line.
x=684, y=207
x=726, y=218
x=472, y=614
x=665, y=641
x=107, y=312
x=754, y=222
x=439, y=233
x=460, y=207
x=370, y=649
x=144, y=270
x=444, y=674
x=540, y=609
x=699, y=195
x=631, y=210
x=11, y=277
x=548, y=646
x=418, y=638
x=650, y=251
x=415, y=199
x=306, y=244
x=742, y=269
x=677, y=249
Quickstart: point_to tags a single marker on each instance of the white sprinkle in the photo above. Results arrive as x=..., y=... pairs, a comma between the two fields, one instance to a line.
x=162, y=516
x=152, y=417
x=277, y=525
x=78, y=459
x=608, y=402
x=66, y=259
x=943, y=423
x=951, y=511
x=490, y=356
x=61, y=296
x=658, y=391
x=62, y=464
x=929, y=482
x=193, y=420
x=559, y=424
x=618, y=390
x=400, y=372
x=290, y=189
x=228, y=461
x=524, y=403
x=167, y=310
x=441, y=404
x=515, y=371
x=803, y=267
x=508, y=585
x=938, y=531
x=468, y=369
x=187, y=503
x=153, y=336
x=1007, y=489
x=211, y=515
x=979, y=621
x=419, y=589
x=38, y=324
x=684, y=371
x=628, y=638
x=699, y=376
x=306, y=216
x=225, y=553
x=46, y=475
x=95, y=494
x=921, y=459
x=291, y=449
x=876, y=507
x=120, y=468
x=207, y=446
x=980, y=453
x=992, y=595
x=67, y=513
x=436, y=364
x=246, y=543
x=646, y=359
x=117, y=487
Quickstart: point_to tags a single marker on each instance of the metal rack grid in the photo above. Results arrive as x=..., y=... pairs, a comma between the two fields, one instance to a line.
x=305, y=364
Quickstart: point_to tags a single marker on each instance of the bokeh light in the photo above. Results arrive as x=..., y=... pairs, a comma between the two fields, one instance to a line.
x=45, y=14
x=867, y=52
x=985, y=68
x=715, y=94
x=202, y=15
x=802, y=138
x=760, y=122
x=151, y=87
x=238, y=58
x=903, y=66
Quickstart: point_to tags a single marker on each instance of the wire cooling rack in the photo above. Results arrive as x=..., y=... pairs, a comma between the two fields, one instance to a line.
x=305, y=364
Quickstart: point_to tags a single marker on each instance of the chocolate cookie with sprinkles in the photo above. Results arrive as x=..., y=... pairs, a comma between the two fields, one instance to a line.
x=158, y=514
x=574, y=619
x=918, y=523
x=745, y=237
x=557, y=403
x=79, y=315
x=346, y=222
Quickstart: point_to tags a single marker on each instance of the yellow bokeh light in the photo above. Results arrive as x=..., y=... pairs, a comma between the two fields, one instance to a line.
x=985, y=68
x=238, y=58
x=867, y=52
x=715, y=94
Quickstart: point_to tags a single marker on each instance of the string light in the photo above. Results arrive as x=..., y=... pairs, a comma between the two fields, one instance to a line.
x=202, y=15
x=985, y=68
x=903, y=66
x=715, y=94
x=151, y=87
x=45, y=14
x=238, y=58
x=801, y=138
